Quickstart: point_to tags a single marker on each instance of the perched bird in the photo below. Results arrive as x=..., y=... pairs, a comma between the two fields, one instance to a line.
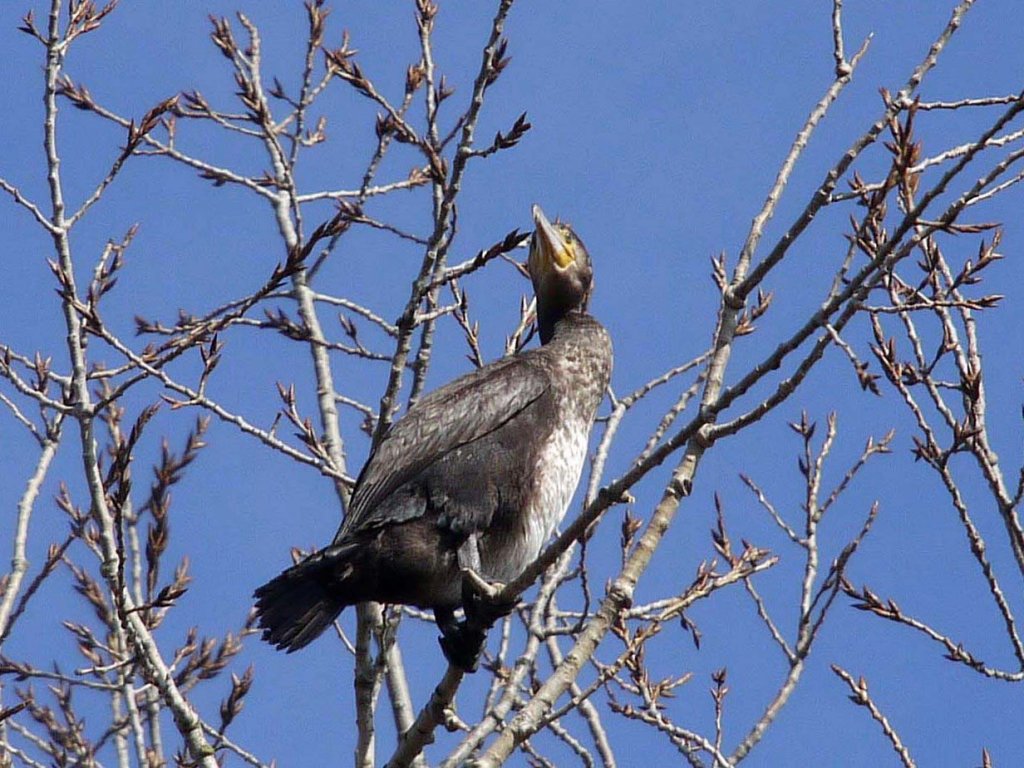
x=471, y=482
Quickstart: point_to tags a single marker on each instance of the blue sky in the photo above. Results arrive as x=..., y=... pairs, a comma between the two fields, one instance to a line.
x=657, y=131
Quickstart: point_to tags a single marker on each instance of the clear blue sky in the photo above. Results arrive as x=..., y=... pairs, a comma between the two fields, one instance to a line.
x=657, y=130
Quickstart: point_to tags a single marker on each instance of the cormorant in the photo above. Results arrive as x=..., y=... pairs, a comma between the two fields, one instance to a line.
x=475, y=476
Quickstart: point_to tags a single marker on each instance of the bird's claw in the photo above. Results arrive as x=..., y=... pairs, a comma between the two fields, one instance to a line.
x=463, y=642
x=480, y=599
x=478, y=584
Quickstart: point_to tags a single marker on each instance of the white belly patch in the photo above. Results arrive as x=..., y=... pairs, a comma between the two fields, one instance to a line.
x=557, y=473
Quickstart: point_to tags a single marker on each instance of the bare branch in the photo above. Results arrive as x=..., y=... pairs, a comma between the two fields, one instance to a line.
x=861, y=698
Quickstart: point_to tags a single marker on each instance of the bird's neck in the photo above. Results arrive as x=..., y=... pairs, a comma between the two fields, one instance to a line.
x=553, y=324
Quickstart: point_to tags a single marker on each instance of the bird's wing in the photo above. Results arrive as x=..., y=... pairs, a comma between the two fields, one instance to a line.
x=455, y=415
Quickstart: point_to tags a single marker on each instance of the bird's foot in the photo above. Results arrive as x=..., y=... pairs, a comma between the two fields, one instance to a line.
x=480, y=599
x=462, y=644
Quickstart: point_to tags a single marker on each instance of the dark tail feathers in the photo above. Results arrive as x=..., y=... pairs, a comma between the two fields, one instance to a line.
x=294, y=608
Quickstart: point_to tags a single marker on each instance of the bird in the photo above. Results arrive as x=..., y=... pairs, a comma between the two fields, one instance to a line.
x=464, y=490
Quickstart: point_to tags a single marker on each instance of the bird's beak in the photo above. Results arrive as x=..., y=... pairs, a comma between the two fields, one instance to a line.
x=552, y=246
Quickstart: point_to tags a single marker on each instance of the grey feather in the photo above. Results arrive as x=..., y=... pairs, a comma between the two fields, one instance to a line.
x=455, y=415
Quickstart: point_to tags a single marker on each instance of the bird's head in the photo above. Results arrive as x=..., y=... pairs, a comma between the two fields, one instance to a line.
x=561, y=271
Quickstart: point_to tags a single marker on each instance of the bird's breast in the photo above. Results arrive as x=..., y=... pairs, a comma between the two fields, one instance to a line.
x=579, y=364
x=555, y=474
